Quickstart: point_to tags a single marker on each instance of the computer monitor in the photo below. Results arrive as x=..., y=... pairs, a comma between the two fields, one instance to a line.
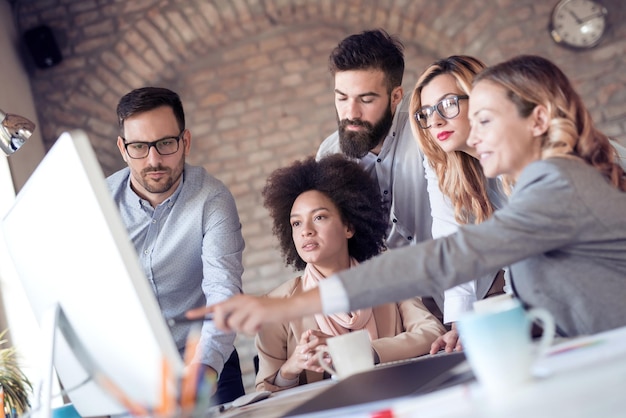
x=71, y=250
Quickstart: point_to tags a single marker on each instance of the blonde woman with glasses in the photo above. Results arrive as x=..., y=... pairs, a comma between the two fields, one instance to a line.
x=458, y=190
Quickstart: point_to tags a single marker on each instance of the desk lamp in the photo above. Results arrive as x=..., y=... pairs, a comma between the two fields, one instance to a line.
x=14, y=131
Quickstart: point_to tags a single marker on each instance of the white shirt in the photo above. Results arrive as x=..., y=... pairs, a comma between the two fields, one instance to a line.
x=461, y=298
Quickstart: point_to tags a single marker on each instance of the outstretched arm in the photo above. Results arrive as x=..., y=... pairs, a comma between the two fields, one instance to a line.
x=246, y=314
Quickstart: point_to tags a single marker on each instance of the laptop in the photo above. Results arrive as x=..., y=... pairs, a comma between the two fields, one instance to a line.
x=391, y=380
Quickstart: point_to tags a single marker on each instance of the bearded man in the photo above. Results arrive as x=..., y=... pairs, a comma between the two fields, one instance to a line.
x=374, y=130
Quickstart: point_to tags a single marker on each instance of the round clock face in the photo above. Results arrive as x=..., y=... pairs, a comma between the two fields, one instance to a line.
x=578, y=23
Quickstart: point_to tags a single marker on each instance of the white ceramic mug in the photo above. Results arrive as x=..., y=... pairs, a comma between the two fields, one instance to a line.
x=498, y=345
x=350, y=353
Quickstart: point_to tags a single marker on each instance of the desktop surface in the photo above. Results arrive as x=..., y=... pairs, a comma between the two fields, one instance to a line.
x=578, y=378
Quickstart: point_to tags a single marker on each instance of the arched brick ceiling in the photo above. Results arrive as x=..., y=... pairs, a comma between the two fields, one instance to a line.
x=163, y=42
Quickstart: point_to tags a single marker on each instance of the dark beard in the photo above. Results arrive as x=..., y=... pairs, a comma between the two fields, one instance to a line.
x=173, y=177
x=358, y=144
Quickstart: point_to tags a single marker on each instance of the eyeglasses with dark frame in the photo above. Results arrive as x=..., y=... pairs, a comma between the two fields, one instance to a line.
x=164, y=146
x=447, y=108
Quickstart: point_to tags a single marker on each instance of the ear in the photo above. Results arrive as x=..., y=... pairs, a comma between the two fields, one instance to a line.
x=396, y=95
x=120, y=146
x=349, y=231
x=187, y=141
x=540, y=120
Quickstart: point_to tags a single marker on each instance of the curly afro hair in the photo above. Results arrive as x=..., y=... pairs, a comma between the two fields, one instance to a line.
x=346, y=184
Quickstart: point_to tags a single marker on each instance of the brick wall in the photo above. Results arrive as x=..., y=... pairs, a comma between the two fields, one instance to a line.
x=253, y=79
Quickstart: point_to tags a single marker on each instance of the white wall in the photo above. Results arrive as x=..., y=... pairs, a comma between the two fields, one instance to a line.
x=16, y=97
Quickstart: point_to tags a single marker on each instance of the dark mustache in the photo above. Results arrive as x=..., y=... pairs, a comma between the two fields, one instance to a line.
x=151, y=169
x=354, y=122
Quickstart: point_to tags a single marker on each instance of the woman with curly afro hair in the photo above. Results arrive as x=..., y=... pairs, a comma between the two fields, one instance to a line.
x=328, y=216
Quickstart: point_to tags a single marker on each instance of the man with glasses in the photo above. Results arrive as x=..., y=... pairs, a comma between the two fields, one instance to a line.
x=184, y=225
x=374, y=129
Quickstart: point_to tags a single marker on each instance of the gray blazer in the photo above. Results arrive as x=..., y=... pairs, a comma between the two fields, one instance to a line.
x=563, y=234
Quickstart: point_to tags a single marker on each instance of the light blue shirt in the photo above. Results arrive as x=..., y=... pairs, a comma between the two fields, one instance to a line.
x=190, y=248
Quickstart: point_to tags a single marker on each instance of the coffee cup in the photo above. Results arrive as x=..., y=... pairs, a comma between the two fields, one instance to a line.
x=498, y=345
x=350, y=353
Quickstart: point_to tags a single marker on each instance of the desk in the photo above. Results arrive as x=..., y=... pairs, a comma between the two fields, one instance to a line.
x=278, y=404
x=585, y=377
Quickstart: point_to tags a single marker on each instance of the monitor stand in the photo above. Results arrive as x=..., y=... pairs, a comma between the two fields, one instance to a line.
x=54, y=320
x=49, y=320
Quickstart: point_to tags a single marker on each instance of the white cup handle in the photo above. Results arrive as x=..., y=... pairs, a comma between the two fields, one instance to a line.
x=322, y=362
x=549, y=328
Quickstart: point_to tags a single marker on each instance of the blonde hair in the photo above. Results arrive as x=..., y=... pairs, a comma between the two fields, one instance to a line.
x=460, y=175
x=529, y=81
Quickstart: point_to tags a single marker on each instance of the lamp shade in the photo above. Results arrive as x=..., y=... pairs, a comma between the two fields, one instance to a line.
x=14, y=131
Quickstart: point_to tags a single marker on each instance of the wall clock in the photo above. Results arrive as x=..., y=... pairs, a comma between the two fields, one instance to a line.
x=578, y=23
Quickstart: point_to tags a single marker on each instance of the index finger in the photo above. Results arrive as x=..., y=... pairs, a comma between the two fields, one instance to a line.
x=436, y=346
x=212, y=312
x=304, y=338
x=200, y=312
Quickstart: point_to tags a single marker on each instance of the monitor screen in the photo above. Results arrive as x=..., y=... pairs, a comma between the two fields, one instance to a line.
x=71, y=249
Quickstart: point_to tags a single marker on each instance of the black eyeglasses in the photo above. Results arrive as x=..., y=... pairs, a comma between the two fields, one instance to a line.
x=164, y=146
x=447, y=108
